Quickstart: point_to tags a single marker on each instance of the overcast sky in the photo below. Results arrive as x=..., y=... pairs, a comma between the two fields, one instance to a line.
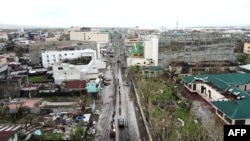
x=125, y=13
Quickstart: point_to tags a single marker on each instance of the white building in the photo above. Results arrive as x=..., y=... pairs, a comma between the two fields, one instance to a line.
x=67, y=72
x=151, y=49
x=75, y=69
x=150, y=54
x=51, y=57
x=101, y=46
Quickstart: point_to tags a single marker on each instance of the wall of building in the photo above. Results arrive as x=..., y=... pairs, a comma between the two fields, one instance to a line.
x=138, y=61
x=131, y=41
x=155, y=52
x=89, y=36
x=195, y=48
x=51, y=57
x=148, y=49
x=209, y=93
x=4, y=36
x=246, y=48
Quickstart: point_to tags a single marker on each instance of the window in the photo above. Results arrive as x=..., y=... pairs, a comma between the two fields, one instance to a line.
x=65, y=54
x=194, y=86
x=220, y=113
x=47, y=60
x=202, y=89
x=239, y=122
x=60, y=68
x=228, y=119
x=209, y=94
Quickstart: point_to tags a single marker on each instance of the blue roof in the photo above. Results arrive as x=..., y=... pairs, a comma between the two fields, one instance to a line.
x=92, y=87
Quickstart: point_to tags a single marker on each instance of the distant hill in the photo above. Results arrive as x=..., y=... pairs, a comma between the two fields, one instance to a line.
x=13, y=26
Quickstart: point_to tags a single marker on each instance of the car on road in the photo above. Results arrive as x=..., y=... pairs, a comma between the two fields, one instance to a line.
x=121, y=122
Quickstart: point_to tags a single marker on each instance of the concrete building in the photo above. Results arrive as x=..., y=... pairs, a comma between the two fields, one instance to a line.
x=144, y=53
x=131, y=41
x=227, y=95
x=4, y=36
x=86, y=34
x=11, y=87
x=67, y=53
x=246, y=48
x=84, y=67
x=36, y=49
x=196, y=46
x=68, y=72
x=3, y=67
x=101, y=47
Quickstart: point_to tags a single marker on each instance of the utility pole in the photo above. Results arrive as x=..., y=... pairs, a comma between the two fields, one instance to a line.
x=163, y=134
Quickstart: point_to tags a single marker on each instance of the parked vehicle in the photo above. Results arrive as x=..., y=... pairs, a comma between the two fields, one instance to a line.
x=121, y=122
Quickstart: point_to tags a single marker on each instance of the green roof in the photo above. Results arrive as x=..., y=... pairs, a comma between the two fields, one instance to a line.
x=237, y=109
x=153, y=68
x=222, y=80
x=137, y=49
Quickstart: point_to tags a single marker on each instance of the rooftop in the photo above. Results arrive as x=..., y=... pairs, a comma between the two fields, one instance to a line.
x=75, y=84
x=137, y=49
x=236, y=108
x=7, y=131
x=246, y=67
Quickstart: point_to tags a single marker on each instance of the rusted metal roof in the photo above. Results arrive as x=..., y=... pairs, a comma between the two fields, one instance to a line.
x=7, y=131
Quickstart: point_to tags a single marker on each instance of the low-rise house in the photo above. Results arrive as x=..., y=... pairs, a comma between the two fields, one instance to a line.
x=226, y=94
x=93, y=87
x=75, y=86
x=11, y=87
x=152, y=71
x=26, y=106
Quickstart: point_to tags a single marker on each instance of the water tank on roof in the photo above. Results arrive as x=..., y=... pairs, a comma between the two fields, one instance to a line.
x=97, y=80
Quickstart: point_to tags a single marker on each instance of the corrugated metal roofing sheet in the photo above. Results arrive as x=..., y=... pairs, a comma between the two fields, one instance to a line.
x=7, y=131
x=237, y=109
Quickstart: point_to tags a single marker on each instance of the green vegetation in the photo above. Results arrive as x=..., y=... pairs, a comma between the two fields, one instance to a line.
x=46, y=135
x=38, y=78
x=166, y=111
x=77, y=134
x=242, y=58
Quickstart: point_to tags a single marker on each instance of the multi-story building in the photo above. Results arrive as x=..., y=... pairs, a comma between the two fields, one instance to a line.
x=83, y=67
x=196, y=46
x=86, y=34
x=144, y=53
x=50, y=57
x=3, y=67
x=3, y=36
x=131, y=41
x=246, y=48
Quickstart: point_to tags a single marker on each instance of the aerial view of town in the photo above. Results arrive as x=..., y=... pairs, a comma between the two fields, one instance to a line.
x=124, y=71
